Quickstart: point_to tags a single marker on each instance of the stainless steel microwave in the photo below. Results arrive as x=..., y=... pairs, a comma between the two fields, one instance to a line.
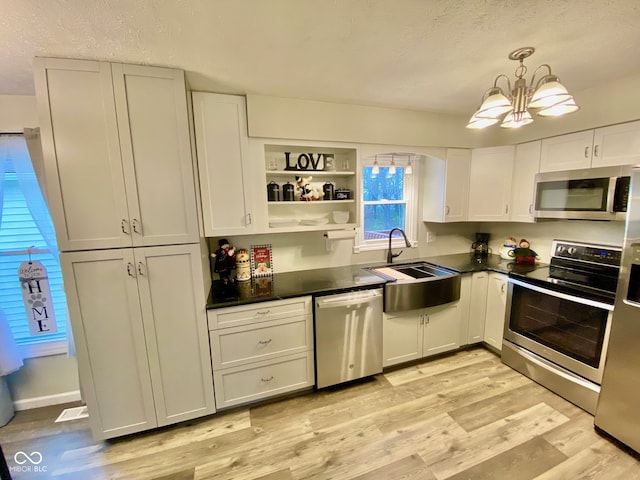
x=589, y=194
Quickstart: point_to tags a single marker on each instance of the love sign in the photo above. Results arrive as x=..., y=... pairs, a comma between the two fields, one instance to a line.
x=305, y=161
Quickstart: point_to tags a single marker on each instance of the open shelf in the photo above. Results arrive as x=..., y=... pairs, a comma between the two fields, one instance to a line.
x=307, y=228
x=317, y=202
x=305, y=173
x=344, y=176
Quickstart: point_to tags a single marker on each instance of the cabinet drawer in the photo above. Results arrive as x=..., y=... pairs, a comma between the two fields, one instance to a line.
x=249, y=343
x=258, y=312
x=247, y=383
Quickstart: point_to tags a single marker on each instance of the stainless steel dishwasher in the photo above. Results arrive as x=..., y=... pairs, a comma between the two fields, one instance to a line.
x=348, y=332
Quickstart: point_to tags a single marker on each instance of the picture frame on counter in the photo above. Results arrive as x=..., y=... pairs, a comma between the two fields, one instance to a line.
x=261, y=260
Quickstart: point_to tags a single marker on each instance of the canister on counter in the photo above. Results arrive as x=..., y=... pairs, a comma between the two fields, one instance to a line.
x=327, y=190
x=342, y=194
x=243, y=265
x=288, y=192
x=273, y=192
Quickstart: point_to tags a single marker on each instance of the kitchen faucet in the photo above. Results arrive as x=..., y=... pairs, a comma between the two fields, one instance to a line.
x=390, y=255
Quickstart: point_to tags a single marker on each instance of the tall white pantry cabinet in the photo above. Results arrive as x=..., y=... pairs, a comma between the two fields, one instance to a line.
x=120, y=186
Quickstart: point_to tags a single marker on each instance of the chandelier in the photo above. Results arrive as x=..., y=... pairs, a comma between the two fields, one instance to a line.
x=547, y=95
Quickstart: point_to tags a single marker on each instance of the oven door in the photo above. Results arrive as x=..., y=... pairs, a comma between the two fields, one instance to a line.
x=567, y=330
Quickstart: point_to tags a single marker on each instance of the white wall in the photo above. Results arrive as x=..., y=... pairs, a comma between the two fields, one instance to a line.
x=17, y=112
x=291, y=118
x=45, y=381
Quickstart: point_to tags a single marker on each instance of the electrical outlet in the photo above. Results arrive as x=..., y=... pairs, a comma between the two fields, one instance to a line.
x=431, y=237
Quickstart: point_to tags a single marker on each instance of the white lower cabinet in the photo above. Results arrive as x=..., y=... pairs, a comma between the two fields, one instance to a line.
x=496, y=309
x=478, y=307
x=261, y=380
x=139, y=326
x=261, y=350
x=419, y=333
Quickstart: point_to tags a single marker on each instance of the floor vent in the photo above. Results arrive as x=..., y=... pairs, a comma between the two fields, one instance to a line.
x=75, y=413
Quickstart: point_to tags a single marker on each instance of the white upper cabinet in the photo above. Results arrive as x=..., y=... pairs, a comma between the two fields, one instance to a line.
x=118, y=169
x=490, y=183
x=151, y=107
x=83, y=167
x=223, y=149
x=446, y=187
x=607, y=146
x=525, y=167
x=566, y=152
x=616, y=145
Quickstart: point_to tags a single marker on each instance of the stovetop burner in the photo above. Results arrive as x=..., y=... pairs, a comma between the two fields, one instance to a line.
x=581, y=269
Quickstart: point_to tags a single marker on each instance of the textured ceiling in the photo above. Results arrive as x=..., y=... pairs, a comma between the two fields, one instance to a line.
x=437, y=55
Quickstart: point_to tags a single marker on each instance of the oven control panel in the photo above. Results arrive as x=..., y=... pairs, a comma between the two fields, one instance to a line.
x=607, y=255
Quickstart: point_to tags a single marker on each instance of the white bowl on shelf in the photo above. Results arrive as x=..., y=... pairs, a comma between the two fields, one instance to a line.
x=340, y=216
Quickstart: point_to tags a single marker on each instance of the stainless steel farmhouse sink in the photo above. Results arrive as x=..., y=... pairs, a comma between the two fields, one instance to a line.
x=417, y=285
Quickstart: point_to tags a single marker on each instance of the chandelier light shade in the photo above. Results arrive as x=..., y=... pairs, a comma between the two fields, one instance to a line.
x=511, y=106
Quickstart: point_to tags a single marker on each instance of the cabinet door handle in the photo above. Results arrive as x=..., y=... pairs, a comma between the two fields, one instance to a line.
x=263, y=312
x=530, y=208
x=137, y=226
x=502, y=287
x=427, y=320
x=421, y=319
x=595, y=151
x=506, y=208
x=266, y=380
x=264, y=342
x=125, y=227
x=248, y=219
x=141, y=268
x=586, y=152
x=447, y=210
x=130, y=270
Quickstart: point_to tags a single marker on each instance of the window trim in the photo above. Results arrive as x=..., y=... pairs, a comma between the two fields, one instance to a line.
x=410, y=202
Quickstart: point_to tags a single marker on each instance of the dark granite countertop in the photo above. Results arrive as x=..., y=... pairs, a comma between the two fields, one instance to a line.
x=330, y=280
x=468, y=263
x=292, y=284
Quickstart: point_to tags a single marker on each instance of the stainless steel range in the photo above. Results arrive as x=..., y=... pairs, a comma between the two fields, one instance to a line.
x=558, y=320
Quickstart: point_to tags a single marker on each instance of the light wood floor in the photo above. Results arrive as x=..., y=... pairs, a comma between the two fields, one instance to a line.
x=462, y=416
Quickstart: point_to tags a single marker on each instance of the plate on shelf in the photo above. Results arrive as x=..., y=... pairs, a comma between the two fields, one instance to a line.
x=283, y=222
x=315, y=221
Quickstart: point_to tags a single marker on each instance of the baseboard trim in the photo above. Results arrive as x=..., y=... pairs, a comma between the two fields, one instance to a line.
x=47, y=400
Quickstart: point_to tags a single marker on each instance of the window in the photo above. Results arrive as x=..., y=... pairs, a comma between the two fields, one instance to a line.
x=388, y=201
x=20, y=232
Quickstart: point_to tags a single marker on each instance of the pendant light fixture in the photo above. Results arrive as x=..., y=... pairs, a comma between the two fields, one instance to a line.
x=392, y=167
x=546, y=94
x=376, y=169
x=408, y=170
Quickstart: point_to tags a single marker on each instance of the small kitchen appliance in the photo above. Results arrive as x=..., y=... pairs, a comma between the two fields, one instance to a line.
x=480, y=247
x=587, y=194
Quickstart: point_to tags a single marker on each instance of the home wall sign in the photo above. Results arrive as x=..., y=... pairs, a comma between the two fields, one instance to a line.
x=36, y=296
x=305, y=161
